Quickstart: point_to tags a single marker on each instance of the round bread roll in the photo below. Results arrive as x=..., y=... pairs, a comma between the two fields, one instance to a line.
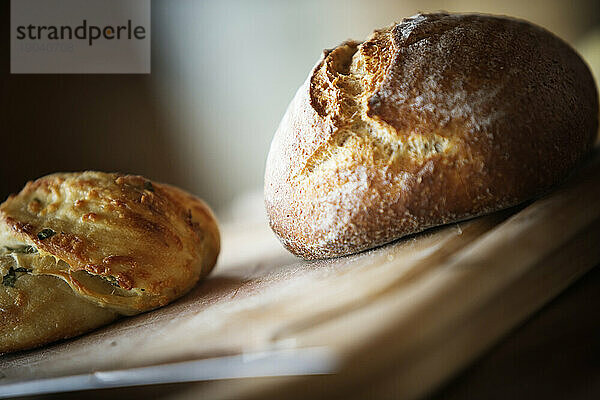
x=78, y=250
x=437, y=119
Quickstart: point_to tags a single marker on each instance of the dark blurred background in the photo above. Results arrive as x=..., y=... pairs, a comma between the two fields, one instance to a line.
x=222, y=75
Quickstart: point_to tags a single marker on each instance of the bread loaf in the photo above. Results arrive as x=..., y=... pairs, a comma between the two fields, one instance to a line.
x=78, y=250
x=436, y=119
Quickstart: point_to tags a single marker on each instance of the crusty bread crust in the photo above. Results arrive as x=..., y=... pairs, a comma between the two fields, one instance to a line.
x=114, y=244
x=436, y=119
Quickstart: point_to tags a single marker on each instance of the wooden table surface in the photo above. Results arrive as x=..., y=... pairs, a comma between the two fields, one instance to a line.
x=553, y=355
x=456, y=304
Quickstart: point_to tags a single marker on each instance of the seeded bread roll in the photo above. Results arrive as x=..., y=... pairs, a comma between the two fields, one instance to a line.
x=436, y=119
x=78, y=250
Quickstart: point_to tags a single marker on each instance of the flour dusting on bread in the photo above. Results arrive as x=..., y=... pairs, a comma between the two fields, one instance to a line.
x=436, y=119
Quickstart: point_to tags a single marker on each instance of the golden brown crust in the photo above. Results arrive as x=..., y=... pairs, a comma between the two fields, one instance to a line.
x=122, y=243
x=439, y=118
x=41, y=309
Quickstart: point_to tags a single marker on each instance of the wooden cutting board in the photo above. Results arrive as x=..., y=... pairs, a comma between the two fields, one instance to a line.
x=420, y=308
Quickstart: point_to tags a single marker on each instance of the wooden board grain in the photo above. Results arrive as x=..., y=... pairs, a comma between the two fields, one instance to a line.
x=425, y=305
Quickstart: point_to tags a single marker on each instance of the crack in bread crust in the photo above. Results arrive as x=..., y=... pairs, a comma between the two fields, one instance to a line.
x=341, y=90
